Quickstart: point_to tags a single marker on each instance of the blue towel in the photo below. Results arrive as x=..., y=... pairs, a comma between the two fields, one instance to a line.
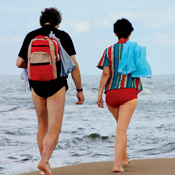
x=67, y=64
x=133, y=61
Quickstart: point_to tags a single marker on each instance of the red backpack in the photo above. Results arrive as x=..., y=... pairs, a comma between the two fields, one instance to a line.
x=43, y=53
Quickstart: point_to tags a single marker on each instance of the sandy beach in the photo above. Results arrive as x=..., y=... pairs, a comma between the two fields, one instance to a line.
x=136, y=167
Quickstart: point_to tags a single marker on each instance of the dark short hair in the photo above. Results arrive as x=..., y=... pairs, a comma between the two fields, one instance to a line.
x=51, y=15
x=123, y=28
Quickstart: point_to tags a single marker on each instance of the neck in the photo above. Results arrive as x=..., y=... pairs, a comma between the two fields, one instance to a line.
x=123, y=39
x=47, y=23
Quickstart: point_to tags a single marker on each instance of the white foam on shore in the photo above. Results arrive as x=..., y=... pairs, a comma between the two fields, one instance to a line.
x=24, y=168
x=31, y=166
x=146, y=91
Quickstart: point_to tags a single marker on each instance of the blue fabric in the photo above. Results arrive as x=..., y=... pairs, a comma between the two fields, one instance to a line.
x=133, y=61
x=67, y=64
x=24, y=76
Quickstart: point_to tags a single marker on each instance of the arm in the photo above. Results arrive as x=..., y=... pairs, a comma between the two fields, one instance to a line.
x=103, y=82
x=77, y=80
x=21, y=63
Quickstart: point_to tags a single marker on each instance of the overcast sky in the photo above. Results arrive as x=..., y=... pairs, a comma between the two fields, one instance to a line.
x=90, y=25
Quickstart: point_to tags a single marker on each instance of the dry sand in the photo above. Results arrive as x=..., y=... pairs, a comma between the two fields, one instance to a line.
x=136, y=167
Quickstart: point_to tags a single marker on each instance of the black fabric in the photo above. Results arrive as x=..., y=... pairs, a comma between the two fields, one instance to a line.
x=65, y=40
x=46, y=89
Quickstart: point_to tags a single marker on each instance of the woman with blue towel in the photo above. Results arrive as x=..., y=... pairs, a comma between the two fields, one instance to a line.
x=123, y=64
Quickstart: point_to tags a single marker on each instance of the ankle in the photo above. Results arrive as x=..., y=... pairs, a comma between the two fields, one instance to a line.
x=117, y=167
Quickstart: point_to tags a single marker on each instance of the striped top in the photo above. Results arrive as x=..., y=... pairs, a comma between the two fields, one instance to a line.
x=111, y=58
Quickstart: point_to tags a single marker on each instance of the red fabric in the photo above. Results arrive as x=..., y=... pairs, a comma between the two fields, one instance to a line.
x=117, y=97
x=110, y=66
x=122, y=41
x=137, y=83
x=123, y=81
x=101, y=60
x=40, y=46
x=41, y=72
x=57, y=48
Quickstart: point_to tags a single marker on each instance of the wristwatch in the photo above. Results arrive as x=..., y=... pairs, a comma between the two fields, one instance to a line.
x=79, y=90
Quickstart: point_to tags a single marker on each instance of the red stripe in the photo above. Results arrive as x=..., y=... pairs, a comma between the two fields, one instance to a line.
x=109, y=53
x=57, y=47
x=110, y=65
x=123, y=81
x=137, y=83
x=101, y=60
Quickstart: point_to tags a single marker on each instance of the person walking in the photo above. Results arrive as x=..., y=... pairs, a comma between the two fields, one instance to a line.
x=123, y=64
x=49, y=96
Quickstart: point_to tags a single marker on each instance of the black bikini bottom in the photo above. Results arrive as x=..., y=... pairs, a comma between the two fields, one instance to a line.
x=46, y=89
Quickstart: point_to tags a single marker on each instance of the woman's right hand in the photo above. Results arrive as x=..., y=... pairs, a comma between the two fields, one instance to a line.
x=100, y=102
x=80, y=98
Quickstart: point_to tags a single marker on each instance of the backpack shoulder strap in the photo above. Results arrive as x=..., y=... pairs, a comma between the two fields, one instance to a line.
x=57, y=48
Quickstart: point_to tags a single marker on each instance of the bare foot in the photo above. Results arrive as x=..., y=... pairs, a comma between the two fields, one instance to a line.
x=44, y=167
x=42, y=173
x=126, y=161
x=118, y=169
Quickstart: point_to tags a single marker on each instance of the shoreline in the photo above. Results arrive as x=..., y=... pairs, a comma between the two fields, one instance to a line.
x=158, y=166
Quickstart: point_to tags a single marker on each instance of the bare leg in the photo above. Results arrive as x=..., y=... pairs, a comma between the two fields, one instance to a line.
x=125, y=112
x=55, y=109
x=42, y=115
x=115, y=113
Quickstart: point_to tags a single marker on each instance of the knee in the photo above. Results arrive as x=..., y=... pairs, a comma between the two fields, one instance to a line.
x=55, y=131
x=121, y=132
x=43, y=125
x=55, y=126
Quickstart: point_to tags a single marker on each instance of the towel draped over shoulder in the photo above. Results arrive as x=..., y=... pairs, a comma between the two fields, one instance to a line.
x=133, y=61
x=67, y=64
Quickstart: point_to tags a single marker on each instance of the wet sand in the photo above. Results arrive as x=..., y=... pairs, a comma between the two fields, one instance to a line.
x=136, y=167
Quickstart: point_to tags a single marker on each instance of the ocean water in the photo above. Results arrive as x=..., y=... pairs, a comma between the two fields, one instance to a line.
x=88, y=132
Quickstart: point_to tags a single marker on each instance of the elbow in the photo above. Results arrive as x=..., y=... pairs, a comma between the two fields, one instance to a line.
x=106, y=74
x=20, y=62
x=17, y=65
